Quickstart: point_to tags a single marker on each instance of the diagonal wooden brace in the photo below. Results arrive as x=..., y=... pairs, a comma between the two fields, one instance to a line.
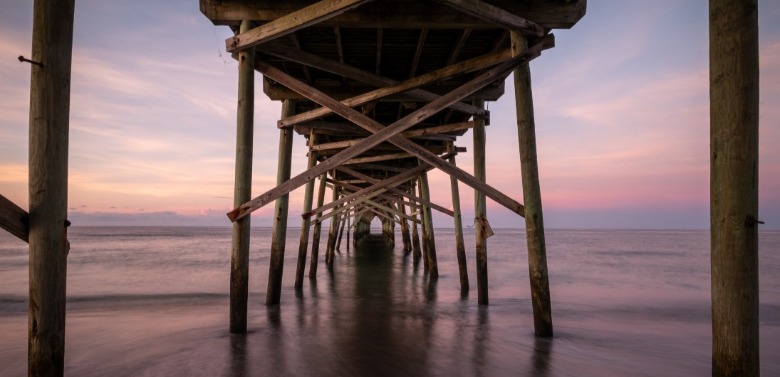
x=419, y=115
x=289, y=23
x=496, y=15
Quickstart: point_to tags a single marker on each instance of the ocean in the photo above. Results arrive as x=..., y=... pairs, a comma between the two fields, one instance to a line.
x=154, y=302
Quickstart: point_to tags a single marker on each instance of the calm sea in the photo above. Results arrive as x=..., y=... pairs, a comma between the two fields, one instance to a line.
x=153, y=302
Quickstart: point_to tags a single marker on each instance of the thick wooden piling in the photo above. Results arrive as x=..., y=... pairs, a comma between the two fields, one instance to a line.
x=480, y=212
x=532, y=196
x=276, y=265
x=52, y=46
x=342, y=225
x=428, y=233
x=242, y=190
x=734, y=98
x=303, y=244
x=460, y=247
x=315, y=241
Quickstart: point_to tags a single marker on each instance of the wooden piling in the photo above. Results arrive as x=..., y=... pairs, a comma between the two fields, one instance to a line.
x=334, y=224
x=52, y=44
x=278, y=238
x=428, y=233
x=734, y=98
x=460, y=246
x=315, y=242
x=303, y=244
x=532, y=196
x=242, y=189
x=416, y=249
x=480, y=206
x=405, y=238
x=342, y=225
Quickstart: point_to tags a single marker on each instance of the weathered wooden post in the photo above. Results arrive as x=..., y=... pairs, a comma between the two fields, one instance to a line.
x=278, y=238
x=242, y=190
x=334, y=225
x=315, y=242
x=303, y=244
x=52, y=46
x=480, y=212
x=532, y=196
x=416, y=249
x=734, y=96
x=405, y=238
x=428, y=234
x=460, y=246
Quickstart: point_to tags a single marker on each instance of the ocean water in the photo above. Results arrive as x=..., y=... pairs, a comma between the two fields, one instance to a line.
x=154, y=302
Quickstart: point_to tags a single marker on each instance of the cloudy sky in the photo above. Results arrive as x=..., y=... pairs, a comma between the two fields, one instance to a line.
x=621, y=112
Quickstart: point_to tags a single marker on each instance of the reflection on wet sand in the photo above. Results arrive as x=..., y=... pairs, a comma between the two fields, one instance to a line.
x=378, y=316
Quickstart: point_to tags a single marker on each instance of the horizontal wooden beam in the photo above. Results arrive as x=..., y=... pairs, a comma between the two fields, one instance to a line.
x=373, y=190
x=290, y=22
x=381, y=157
x=465, y=66
x=316, y=61
x=397, y=191
x=408, y=134
x=495, y=15
x=14, y=219
x=413, y=14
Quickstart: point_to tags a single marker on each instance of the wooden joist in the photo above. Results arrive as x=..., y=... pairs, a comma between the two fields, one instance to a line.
x=357, y=74
x=14, y=219
x=470, y=65
x=495, y=15
x=416, y=117
x=551, y=14
x=408, y=134
x=291, y=22
x=397, y=191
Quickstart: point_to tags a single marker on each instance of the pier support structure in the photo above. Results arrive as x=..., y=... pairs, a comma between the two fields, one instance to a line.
x=480, y=211
x=315, y=242
x=242, y=191
x=460, y=247
x=279, y=235
x=429, y=239
x=303, y=245
x=52, y=46
x=532, y=195
x=734, y=221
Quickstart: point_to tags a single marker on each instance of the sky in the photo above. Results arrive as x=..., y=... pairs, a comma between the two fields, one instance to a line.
x=621, y=108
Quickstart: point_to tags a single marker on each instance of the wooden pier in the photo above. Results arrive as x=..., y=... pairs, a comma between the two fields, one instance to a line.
x=381, y=90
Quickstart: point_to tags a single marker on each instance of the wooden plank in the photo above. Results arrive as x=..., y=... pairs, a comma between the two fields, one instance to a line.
x=52, y=46
x=353, y=73
x=475, y=64
x=381, y=134
x=291, y=22
x=412, y=14
x=381, y=157
x=407, y=134
x=419, y=115
x=14, y=219
x=242, y=189
x=532, y=195
x=418, y=52
x=734, y=184
x=496, y=15
x=279, y=235
x=459, y=46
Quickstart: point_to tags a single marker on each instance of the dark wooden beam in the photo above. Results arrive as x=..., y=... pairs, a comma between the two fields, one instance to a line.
x=408, y=145
x=496, y=15
x=470, y=65
x=414, y=14
x=290, y=22
x=357, y=74
x=14, y=219
x=418, y=52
